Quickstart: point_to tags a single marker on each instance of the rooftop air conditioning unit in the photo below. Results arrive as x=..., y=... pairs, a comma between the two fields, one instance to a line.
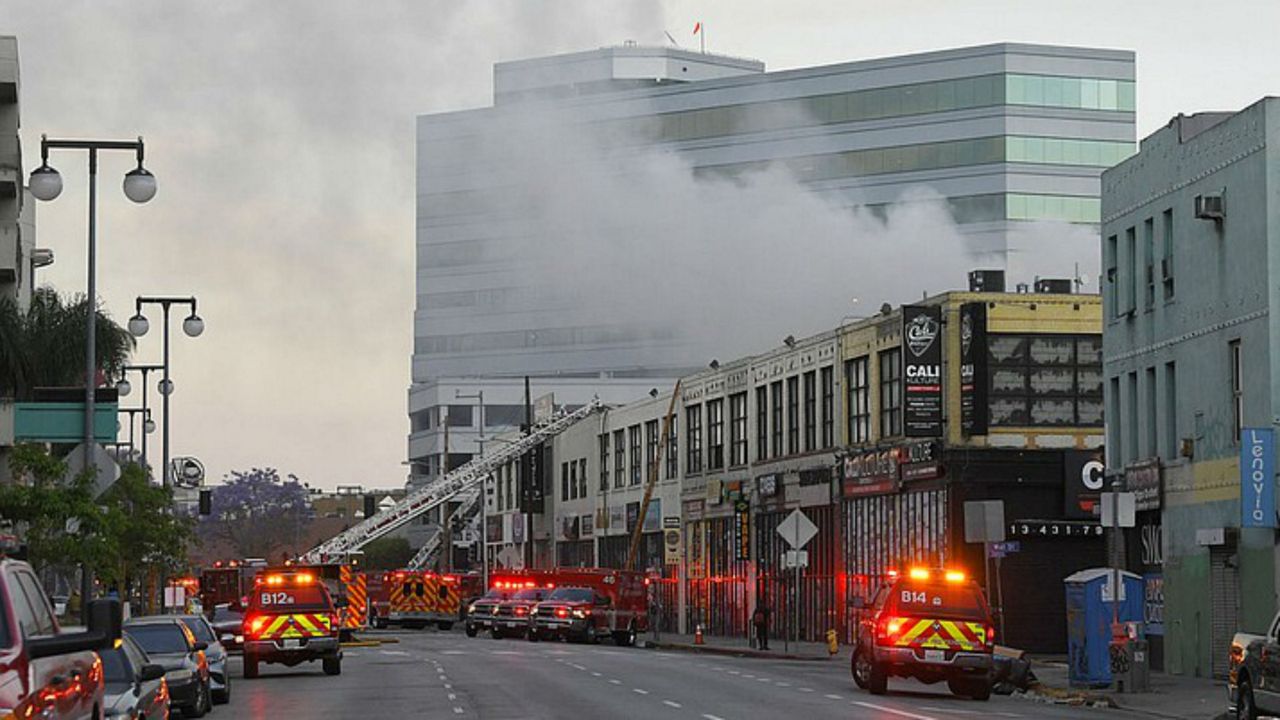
x=1053, y=286
x=1211, y=207
x=986, y=281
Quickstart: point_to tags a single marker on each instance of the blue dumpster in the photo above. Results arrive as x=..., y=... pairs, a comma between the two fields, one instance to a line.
x=1089, y=615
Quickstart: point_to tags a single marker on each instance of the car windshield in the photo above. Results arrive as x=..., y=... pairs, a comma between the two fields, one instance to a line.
x=572, y=594
x=115, y=667
x=496, y=594
x=159, y=638
x=531, y=594
x=954, y=601
x=199, y=628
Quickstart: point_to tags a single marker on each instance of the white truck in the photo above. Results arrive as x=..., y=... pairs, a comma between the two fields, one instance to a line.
x=1253, y=680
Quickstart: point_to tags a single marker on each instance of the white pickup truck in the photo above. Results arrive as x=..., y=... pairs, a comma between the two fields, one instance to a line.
x=1253, y=681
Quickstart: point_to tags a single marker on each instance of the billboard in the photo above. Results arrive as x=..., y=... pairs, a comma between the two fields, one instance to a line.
x=922, y=371
x=973, y=369
x=1084, y=475
x=1258, y=478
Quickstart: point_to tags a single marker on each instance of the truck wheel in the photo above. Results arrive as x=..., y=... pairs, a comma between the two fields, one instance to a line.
x=1245, y=707
x=532, y=635
x=859, y=669
x=869, y=674
x=495, y=633
x=625, y=638
x=978, y=688
x=471, y=630
x=590, y=637
x=250, y=666
x=332, y=665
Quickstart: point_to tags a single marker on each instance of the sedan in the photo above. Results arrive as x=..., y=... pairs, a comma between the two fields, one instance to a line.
x=135, y=686
x=168, y=642
x=228, y=623
x=215, y=653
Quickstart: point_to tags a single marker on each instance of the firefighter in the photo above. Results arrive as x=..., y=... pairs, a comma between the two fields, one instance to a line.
x=760, y=619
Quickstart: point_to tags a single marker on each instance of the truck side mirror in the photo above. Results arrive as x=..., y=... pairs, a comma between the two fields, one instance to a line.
x=105, y=628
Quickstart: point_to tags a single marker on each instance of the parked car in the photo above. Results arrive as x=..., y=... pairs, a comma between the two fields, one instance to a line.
x=1253, y=676
x=135, y=686
x=229, y=624
x=168, y=642
x=215, y=654
x=45, y=672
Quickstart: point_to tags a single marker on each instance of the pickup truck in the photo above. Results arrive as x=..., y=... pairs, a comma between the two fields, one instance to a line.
x=44, y=671
x=1253, y=677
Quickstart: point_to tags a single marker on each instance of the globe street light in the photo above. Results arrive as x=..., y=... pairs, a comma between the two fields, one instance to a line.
x=148, y=425
x=193, y=325
x=46, y=184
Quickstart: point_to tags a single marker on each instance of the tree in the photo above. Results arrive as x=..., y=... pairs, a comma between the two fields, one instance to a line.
x=146, y=533
x=60, y=522
x=258, y=513
x=44, y=347
x=387, y=553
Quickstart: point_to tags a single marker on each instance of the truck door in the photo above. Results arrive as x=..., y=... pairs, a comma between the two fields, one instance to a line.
x=1269, y=664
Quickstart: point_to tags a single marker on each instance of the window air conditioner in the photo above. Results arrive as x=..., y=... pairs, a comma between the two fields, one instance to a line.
x=1210, y=207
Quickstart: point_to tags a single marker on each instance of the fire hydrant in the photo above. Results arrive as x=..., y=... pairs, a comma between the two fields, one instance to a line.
x=833, y=646
x=697, y=634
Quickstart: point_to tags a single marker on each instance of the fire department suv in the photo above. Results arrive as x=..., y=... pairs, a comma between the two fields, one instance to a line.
x=291, y=619
x=927, y=625
x=589, y=604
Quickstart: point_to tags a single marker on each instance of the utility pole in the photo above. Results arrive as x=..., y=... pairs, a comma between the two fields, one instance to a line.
x=526, y=464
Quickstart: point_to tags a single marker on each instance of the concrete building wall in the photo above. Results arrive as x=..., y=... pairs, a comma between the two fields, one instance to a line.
x=1169, y=354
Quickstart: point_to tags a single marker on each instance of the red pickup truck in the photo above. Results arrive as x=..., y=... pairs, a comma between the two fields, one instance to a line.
x=45, y=672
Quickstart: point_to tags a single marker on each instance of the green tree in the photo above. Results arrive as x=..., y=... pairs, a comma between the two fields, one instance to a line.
x=61, y=523
x=44, y=346
x=143, y=529
x=387, y=553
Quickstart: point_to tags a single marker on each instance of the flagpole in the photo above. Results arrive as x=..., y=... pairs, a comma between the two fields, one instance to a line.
x=702, y=36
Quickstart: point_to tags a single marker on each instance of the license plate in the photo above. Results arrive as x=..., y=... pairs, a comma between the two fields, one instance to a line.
x=935, y=656
x=514, y=624
x=292, y=644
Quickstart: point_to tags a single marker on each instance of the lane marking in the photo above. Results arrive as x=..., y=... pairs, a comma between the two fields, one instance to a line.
x=575, y=666
x=805, y=689
x=442, y=652
x=638, y=691
x=672, y=703
x=709, y=716
x=594, y=674
x=779, y=683
x=731, y=672
x=457, y=710
x=451, y=695
x=829, y=696
x=949, y=711
x=745, y=675
x=892, y=711
x=614, y=681
x=762, y=679
x=447, y=686
x=397, y=653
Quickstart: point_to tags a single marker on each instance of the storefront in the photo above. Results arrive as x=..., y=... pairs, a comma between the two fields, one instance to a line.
x=1144, y=549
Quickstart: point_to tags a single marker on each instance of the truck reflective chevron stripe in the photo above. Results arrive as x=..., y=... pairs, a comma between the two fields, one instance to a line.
x=432, y=495
x=355, y=615
x=409, y=595
x=296, y=625
x=939, y=634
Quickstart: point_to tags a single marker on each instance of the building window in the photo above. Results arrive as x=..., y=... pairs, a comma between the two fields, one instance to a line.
x=1166, y=259
x=582, y=477
x=604, y=461
x=1150, y=432
x=1045, y=380
x=1237, y=388
x=458, y=415
x=634, y=434
x=793, y=415
x=564, y=482
x=810, y=411
x=762, y=423
x=502, y=484
x=859, y=399
x=1149, y=263
x=511, y=486
x=1130, y=414
x=1112, y=277
x=1171, y=450
x=738, y=429
x=775, y=410
x=673, y=447
x=651, y=448
x=715, y=434
x=693, y=441
x=1115, y=444
x=619, y=458
x=890, y=393
x=828, y=407
x=1130, y=270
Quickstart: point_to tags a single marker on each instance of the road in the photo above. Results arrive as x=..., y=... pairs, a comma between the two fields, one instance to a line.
x=446, y=675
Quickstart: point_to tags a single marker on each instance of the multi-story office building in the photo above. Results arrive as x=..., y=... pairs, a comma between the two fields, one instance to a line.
x=18, y=255
x=1008, y=135
x=879, y=431
x=1190, y=229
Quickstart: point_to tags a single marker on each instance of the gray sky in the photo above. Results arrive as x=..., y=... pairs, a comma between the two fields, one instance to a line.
x=282, y=137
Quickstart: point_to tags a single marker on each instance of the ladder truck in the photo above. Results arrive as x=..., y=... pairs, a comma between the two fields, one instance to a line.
x=466, y=479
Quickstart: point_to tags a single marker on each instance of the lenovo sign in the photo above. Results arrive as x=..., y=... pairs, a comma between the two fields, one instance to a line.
x=922, y=370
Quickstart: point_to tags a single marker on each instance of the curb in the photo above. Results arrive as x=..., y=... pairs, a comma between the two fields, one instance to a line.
x=362, y=643
x=732, y=651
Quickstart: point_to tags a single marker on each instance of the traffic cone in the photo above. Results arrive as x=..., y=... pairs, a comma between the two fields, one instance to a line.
x=697, y=634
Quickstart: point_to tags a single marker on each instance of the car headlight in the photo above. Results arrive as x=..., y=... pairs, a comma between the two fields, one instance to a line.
x=581, y=613
x=179, y=676
x=472, y=609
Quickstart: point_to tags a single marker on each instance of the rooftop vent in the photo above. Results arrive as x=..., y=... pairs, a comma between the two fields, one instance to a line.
x=986, y=281
x=1053, y=286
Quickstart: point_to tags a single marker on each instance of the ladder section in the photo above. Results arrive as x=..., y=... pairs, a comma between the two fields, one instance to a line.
x=466, y=513
x=430, y=496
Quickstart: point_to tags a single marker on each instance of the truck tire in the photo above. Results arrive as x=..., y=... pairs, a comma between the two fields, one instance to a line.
x=1246, y=708
x=495, y=633
x=332, y=665
x=978, y=688
x=471, y=630
x=532, y=635
x=625, y=638
x=250, y=666
x=869, y=674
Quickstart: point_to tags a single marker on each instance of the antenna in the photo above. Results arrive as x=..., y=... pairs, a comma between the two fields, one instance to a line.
x=673, y=40
x=1079, y=281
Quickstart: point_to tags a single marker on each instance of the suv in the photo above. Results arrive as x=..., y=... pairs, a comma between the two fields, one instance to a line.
x=481, y=611
x=45, y=672
x=927, y=625
x=291, y=620
x=571, y=613
x=511, y=617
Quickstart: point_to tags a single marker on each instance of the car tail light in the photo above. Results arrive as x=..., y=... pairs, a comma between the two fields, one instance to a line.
x=254, y=624
x=991, y=636
x=888, y=627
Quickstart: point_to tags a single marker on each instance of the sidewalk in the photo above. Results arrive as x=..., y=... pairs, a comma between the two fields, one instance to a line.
x=739, y=647
x=1182, y=698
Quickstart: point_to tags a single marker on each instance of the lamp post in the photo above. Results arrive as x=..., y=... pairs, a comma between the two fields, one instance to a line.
x=46, y=184
x=192, y=326
x=148, y=426
x=123, y=388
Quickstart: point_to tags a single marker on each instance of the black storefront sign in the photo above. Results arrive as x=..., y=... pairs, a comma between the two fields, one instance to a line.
x=1143, y=480
x=974, y=412
x=922, y=370
x=1082, y=483
x=870, y=473
x=921, y=461
x=633, y=516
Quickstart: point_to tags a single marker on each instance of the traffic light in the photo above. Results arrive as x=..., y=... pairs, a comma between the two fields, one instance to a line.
x=370, y=506
x=206, y=502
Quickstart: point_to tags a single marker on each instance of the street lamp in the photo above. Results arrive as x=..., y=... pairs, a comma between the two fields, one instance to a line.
x=124, y=387
x=146, y=419
x=192, y=326
x=46, y=184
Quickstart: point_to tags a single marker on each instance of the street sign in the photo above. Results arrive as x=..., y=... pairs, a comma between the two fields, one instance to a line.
x=796, y=559
x=1119, y=505
x=797, y=529
x=187, y=472
x=1003, y=549
x=984, y=521
x=106, y=470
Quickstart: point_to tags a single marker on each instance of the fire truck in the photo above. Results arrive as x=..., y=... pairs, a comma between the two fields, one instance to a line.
x=379, y=590
x=227, y=582
x=588, y=604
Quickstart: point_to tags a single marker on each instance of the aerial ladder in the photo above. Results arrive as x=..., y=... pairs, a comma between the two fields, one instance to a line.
x=466, y=478
x=466, y=513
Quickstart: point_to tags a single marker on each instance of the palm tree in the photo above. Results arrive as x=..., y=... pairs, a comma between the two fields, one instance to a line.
x=44, y=347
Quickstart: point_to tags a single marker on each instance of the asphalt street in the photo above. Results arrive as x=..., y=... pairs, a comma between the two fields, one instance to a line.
x=446, y=675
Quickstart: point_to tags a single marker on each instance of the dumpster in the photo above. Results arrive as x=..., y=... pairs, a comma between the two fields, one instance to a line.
x=1089, y=616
